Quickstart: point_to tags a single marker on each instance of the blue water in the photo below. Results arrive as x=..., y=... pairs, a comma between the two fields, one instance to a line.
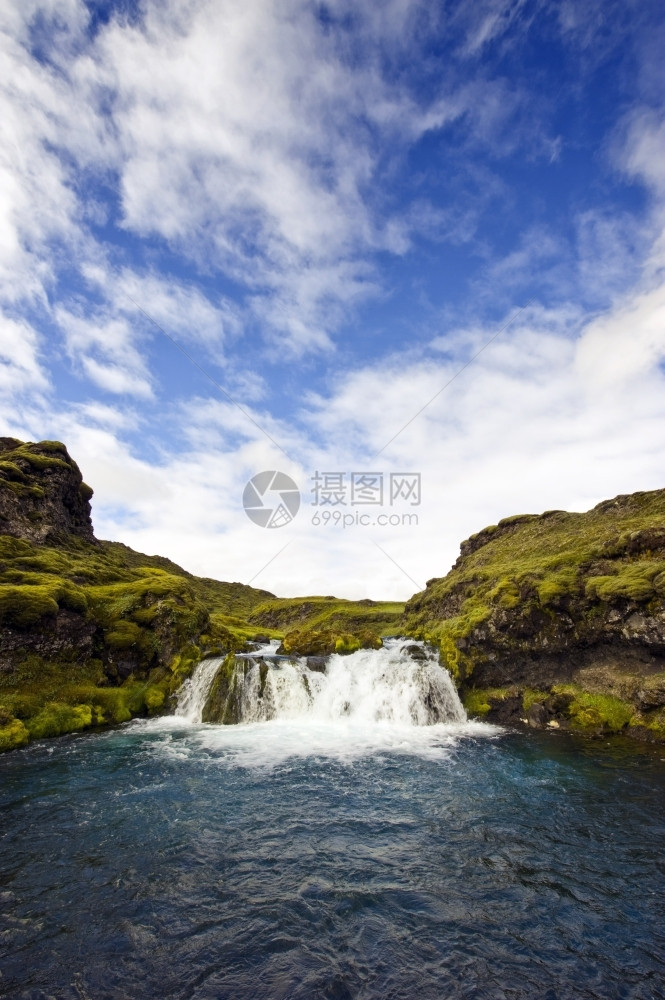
x=161, y=861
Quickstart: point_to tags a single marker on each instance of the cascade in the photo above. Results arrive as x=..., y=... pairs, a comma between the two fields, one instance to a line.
x=402, y=683
x=194, y=692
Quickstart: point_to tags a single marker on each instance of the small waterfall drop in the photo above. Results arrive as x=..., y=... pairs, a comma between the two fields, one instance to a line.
x=402, y=684
x=194, y=692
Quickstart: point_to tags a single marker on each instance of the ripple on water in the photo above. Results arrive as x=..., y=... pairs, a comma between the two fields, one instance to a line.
x=166, y=860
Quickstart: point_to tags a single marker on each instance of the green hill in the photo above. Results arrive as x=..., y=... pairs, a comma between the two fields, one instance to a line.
x=558, y=618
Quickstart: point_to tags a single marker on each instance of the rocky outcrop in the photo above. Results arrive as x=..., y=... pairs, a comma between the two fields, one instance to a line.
x=42, y=494
x=558, y=619
x=312, y=642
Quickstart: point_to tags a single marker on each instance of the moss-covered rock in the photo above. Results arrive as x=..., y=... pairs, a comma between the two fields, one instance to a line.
x=223, y=705
x=13, y=734
x=324, y=642
x=541, y=601
x=327, y=614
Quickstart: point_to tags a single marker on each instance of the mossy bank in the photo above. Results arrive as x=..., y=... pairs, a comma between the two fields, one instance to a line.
x=94, y=633
x=558, y=619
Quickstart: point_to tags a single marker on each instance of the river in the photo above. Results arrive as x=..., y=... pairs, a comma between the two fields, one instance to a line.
x=334, y=847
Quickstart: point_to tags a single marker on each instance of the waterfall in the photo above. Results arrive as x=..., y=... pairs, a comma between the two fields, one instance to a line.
x=194, y=692
x=402, y=683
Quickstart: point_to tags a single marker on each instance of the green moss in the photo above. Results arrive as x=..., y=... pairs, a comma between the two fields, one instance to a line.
x=506, y=593
x=222, y=705
x=57, y=718
x=13, y=734
x=21, y=607
x=478, y=701
x=38, y=461
x=655, y=723
x=451, y=636
x=515, y=519
x=24, y=490
x=53, y=447
x=11, y=471
x=328, y=614
x=154, y=697
x=323, y=642
x=557, y=586
x=345, y=644
x=531, y=697
x=123, y=635
x=632, y=580
x=596, y=711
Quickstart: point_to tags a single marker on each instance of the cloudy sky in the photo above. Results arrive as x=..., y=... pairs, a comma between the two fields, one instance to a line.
x=248, y=235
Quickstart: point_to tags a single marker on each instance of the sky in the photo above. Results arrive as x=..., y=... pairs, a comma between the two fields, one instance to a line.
x=409, y=253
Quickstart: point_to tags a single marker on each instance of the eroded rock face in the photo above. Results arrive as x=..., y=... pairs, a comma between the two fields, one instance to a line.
x=43, y=497
x=65, y=635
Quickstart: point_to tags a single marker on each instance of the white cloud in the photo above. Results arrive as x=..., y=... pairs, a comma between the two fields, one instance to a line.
x=246, y=136
x=20, y=368
x=489, y=21
x=104, y=416
x=115, y=379
x=627, y=343
x=643, y=148
x=104, y=348
x=524, y=428
x=251, y=140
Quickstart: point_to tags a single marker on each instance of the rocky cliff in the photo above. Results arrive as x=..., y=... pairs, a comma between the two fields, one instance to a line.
x=558, y=619
x=42, y=495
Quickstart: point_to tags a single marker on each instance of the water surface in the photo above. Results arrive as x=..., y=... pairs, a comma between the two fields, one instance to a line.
x=301, y=859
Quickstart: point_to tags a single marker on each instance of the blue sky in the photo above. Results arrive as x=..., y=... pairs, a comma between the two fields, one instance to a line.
x=332, y=208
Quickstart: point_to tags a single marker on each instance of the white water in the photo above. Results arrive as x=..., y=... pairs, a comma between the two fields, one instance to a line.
x=369, y=687
x=194, y=692
x=371, y=703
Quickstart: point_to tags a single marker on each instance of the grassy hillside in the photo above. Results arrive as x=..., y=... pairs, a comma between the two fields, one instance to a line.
x=574, y=601
x=281, y=615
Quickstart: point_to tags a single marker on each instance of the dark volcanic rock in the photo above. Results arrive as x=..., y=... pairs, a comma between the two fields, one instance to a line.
x=65, y=635
x=317, y=664
x=42, y=495
x=416, y=652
